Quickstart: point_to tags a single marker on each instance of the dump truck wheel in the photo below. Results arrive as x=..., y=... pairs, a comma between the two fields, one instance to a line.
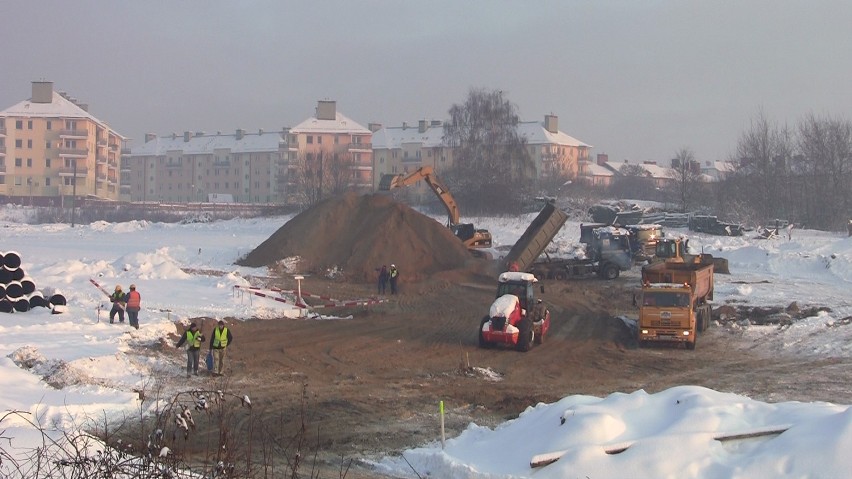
x=525, y=335
x=482, y=342
x=691, y=346
x=610, y=272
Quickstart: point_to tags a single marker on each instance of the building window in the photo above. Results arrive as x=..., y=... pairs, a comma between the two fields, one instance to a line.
x=49, y=124
x=19, y=143
x=47, y=182
x=29, y=124
x=19, y=124
x=336, y=139
x=29, y=143
x=310, y=139
x=29, y=162
x=319, y=139
x=47, y=145
x=47, y=162
x=19, y=162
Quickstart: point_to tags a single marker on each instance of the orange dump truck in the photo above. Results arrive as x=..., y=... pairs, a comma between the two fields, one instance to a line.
x=674, y=305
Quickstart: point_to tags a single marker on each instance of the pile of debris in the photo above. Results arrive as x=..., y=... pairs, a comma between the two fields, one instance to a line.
x=356, y=234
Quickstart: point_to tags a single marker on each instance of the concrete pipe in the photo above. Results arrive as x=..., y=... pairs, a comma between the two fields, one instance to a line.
x=17, y=274
x=28, y=284
x=14, y=290
x=37, y=300
x=6, y=306
x=5, y=275
x=11, y=260
x=21, y=305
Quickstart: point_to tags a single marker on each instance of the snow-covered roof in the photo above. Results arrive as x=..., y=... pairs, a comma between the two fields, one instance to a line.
x=340, y=124
x=657, y=171
x=537, y=134
x=594, y=169
x=59, y=107
x=722, y=166
x=208, y=144
x=393, y=137
x=534, y=131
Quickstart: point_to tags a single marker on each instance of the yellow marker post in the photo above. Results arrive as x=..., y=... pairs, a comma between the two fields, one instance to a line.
x=441, y=408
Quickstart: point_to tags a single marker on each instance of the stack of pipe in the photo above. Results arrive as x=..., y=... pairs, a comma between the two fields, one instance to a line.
x=18, y=291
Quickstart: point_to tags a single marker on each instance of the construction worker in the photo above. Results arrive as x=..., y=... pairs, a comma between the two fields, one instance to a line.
x=133, y=300
x=193, y=338
x=394, y=277
x=219, y=342
x=117, y=300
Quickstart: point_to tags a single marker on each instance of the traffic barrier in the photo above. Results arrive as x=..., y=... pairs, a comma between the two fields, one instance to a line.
x=333, y=303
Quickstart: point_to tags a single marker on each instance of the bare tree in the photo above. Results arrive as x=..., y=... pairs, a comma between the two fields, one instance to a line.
x=492, y=168
x=825, y=170
x=762, y=177
x=687, y=177
x=633, y=182
x=320, y=175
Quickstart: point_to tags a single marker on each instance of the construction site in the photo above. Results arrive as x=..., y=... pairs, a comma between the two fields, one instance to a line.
x=370, y=385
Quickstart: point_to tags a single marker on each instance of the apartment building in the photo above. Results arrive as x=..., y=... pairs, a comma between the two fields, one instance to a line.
x=404, y=149
x=193, y=167
x=332, y=137
x=51, y=149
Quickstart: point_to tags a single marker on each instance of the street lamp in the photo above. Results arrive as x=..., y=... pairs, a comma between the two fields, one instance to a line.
x=30, y=184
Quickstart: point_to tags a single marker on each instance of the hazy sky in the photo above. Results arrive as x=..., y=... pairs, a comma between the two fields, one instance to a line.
x=637, y=79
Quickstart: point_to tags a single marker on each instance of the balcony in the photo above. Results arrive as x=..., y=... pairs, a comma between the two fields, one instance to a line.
x=113, y=146
x=82, y=172
x=102, y=143
x=125, y=151
x=101, y=160
x=221, y=163
x=360, y=147
x=2, y=151
x=2, y=169
x=173, y=164
x=102, y=177
x=73, y=153
x=2, y=131
x=81, y=134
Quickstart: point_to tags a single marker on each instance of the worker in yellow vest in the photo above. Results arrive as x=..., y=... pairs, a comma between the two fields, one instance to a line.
x=193, y=338
x=219, y=342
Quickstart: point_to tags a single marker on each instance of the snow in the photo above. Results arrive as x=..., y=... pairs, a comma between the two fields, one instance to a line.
x=503, y=306
x=65, y=369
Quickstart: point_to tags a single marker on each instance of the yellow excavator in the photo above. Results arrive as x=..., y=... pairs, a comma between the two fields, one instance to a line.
x=471, y=237
x=675, y=250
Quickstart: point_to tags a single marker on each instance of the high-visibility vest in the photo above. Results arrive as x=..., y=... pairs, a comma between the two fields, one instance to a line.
x=220, y=338
x=134, y=299
x=194, y=340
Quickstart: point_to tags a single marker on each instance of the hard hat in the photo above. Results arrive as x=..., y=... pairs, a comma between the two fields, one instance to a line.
x=193, y=326
x=132, y=286
x=393, y=266
x=118, y=287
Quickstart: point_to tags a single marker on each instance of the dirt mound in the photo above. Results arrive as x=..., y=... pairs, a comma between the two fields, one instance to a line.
x=359, y=233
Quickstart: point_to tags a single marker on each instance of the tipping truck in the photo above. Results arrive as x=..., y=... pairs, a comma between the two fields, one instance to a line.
x=674, y=302
x=472, y=237
x=515, y=318
x=607, y=249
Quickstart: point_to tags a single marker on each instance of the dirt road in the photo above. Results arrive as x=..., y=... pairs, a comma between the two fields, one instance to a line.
x=372, y=383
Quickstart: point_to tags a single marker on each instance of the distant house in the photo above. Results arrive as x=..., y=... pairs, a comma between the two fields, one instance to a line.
x=716, y=170
x=599, y=173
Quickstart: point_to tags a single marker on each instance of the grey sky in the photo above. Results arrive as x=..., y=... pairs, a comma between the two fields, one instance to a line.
x=637, y=79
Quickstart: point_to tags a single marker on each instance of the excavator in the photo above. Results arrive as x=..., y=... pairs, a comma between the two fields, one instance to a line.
x=675, y=250
x=471, y=237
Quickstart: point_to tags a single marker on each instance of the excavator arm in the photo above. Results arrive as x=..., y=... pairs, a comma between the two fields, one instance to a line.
x=425, y=173
x=470, y=236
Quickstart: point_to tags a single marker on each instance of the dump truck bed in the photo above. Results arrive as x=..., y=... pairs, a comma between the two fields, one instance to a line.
x=537, y=236
x=698, y=276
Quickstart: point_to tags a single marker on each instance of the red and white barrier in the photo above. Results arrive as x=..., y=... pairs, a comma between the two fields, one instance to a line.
x=299, y=303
